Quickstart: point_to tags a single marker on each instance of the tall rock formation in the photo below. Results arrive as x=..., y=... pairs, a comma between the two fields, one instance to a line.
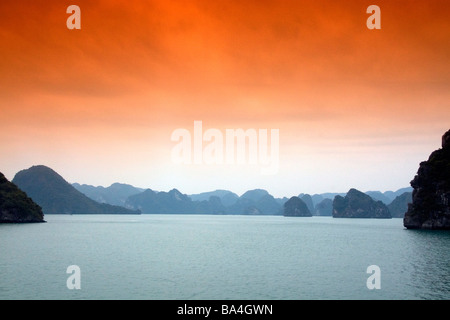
x=16, y=206
x=307, y=199
x=430, y=207
x=357, y=204
x=296, y=207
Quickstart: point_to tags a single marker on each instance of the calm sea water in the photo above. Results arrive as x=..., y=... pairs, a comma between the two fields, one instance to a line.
x=221, y=257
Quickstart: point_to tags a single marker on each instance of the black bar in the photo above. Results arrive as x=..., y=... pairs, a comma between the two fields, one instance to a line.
x=227, y=309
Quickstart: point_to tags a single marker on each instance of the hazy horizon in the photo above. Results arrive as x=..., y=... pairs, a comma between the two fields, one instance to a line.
x=355, y=108
x=218, y=189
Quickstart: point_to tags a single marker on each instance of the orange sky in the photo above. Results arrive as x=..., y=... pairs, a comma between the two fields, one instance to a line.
x=355, y=107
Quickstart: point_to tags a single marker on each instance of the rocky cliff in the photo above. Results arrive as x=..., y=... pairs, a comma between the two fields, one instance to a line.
x=357, y=204
x=296, y=207
x=16, y=206
x=430, y=207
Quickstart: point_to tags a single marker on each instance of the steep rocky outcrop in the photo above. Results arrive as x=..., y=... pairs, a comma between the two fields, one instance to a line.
x=16, y=206
x=307, y=199
x=296, y=207
x=357, y=204
x=430, y=207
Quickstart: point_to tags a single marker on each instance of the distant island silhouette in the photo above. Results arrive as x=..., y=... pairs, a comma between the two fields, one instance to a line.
x=56, y=196
x=40, y=190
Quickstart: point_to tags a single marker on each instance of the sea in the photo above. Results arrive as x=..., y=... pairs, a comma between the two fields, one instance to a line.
x=215, y=257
